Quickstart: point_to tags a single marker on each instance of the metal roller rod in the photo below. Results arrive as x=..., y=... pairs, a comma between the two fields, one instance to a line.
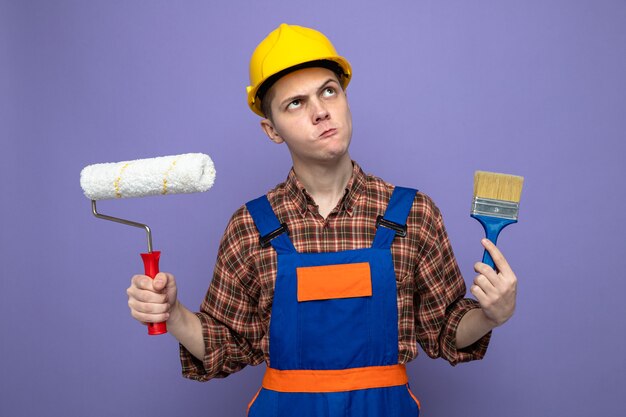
x=123, y=221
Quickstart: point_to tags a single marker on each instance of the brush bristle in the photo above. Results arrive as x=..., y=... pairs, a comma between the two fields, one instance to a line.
x=498, y=186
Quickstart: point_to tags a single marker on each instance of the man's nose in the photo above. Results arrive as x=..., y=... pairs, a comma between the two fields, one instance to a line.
x=320, y=111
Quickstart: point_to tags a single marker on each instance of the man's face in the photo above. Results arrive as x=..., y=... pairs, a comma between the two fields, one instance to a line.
x=310, y=114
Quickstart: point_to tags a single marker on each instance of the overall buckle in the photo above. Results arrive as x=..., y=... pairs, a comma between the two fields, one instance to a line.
x=266, y=240
x=400, y=229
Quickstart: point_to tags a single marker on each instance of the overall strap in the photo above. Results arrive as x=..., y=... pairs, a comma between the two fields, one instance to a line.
x=394, y=221
x=271, y=230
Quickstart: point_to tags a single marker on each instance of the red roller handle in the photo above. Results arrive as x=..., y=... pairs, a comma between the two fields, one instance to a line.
x=151, y=267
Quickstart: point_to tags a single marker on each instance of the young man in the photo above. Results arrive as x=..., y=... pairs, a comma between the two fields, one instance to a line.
x=333, y=275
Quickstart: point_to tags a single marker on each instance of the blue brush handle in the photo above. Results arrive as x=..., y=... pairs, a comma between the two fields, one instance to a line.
x=493, y=226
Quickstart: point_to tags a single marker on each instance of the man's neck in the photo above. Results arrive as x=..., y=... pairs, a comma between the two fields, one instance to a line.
x=325, y=183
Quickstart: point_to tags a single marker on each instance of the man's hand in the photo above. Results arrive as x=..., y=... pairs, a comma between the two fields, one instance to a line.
x=155, y=300
x=495, y=291
x=151, y=300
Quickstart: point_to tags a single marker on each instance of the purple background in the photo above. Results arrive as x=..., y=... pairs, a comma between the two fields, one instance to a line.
x=440, y=89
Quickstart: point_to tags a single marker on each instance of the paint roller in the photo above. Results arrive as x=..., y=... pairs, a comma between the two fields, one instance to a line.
x=176, y=174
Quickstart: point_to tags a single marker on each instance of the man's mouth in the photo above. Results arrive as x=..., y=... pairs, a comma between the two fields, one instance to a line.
x=328, y=133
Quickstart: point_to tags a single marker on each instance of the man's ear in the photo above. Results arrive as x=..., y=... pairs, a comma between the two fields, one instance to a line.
x=270, y=131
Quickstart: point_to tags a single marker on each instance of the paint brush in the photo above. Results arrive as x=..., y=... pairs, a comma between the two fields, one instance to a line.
x=495, y=204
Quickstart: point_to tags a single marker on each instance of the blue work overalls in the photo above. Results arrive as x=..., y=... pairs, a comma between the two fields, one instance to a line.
x=334, y=325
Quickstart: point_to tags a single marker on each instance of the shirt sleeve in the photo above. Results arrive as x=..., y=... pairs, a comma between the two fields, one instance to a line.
x=439, y=302
x=231, y=327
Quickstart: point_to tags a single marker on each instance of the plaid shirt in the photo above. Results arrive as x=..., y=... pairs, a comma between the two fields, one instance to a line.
x=235, y=313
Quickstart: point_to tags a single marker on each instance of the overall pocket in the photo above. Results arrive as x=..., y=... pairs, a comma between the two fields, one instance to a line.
x=333, y=310
x=414, y=399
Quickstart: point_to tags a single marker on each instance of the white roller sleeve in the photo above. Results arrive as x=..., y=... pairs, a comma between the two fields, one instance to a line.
x=188, y=173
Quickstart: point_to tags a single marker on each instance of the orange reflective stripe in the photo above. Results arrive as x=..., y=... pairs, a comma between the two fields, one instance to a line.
x=253, y=400
x=305, y=380
x=334, y=281
x=414, y=397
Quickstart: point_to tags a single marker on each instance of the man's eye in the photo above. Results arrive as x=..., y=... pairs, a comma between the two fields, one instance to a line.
x=329, y=91
x=294, y=104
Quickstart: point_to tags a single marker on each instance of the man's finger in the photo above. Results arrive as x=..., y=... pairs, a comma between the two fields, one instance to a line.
x=148, y=308
x=146, y=296
x=489, y=273
x=164, y=280
x=160, y=281
x=142, y=282
x=498, y=258
x=478, y=292
x=149, y=318
x=484, y=283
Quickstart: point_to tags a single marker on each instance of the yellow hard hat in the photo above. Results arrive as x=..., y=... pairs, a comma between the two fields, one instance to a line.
x=287, y=47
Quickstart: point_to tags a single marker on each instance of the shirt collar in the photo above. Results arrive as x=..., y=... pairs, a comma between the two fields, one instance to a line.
x=303, y=200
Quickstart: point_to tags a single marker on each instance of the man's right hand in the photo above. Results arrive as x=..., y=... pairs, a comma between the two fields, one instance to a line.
x=151, y=300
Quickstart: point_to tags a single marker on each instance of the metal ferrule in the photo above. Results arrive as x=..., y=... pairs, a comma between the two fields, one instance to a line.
x=495, y=208
x=123, y=221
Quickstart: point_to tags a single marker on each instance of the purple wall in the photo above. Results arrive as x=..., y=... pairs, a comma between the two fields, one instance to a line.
x=440, y=89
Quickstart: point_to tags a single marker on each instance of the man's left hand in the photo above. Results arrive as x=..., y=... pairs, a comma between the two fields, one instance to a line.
x=495, y=291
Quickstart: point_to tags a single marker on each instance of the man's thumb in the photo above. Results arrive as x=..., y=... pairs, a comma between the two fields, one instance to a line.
x=160, y=281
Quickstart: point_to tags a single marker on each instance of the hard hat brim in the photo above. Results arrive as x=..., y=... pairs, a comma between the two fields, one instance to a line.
x=254, y=102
